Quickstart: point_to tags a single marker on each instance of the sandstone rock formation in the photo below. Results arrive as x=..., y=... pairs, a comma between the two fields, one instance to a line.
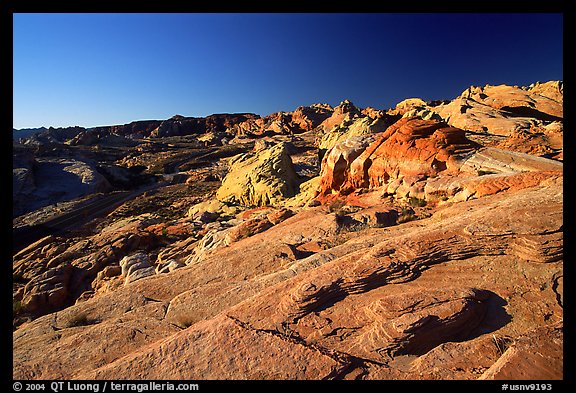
x=344, y=112
x=502, y=109
x=540, y=102
x=373, y=307
x=426, y=244
x=535, y=355
x=424, y=159
x=523, y=119
x=180, y=125
x=135, y=267
x=309, y=117
x=302, y=119
x=410, y=148
x=58, y=274
x=350, y=129
x=260, y=178
x=38, y=182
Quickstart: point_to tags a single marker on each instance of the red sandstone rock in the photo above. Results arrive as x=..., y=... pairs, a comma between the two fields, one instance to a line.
x=57, y=282
x=410, y=147
x=518, y=101
x=306, y=118
x=223, y=349
x=246, y=229
x=344, y=111
x=537, y=355
x=279, y=215
x=416, y=300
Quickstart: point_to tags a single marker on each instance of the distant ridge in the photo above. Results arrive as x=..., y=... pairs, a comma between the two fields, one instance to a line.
x=26, y=132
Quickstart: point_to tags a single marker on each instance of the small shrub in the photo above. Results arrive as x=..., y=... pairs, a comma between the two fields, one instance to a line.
x=337, y=207
x=81, y=319
x=416, y=202
x=406, y=215
x=406, y=218
x=482, y=172
x=17, y=308
x=502, y=343
x=357, y=226
x=440, y=195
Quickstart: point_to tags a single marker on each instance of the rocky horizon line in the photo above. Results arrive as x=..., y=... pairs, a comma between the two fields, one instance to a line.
x=43, y=127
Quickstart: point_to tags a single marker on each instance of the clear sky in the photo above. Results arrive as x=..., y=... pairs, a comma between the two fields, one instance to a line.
x=104, y=69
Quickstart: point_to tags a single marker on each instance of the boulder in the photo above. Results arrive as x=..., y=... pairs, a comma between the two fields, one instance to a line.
x=136, y=267
x=209, y=206
x=377, y=217
x=264, y=177
x=246, y=229
x=277, y=216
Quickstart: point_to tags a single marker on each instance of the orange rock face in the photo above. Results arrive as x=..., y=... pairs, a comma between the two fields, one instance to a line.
x=409, y=147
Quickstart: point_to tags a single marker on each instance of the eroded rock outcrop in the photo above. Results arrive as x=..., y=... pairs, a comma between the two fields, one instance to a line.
x=534, y=355
x=500, y=110
x=217, y=123
x=302, y=119
x=376, y=306
x=430, y=252
x=38, y=182
x=136, y=267
x=523, y=119
x=411, y=147
x=353, y=128
x=260, y=178
x=56, y=275
x=540, y=102
x=424, y=159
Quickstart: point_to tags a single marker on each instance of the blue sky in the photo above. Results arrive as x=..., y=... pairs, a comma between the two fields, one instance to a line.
x=104, y=69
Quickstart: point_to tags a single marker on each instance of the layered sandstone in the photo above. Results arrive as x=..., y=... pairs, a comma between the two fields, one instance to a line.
x=375, y=306
x=422, y=242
